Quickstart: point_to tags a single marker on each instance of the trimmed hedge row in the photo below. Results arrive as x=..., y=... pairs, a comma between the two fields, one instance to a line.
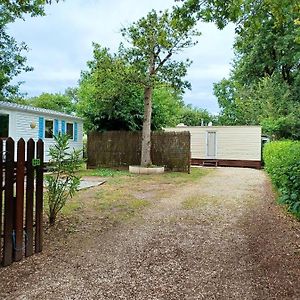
x=282, y=162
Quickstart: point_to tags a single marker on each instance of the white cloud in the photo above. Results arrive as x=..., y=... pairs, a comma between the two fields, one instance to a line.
x=51, y=75
x=214, y=72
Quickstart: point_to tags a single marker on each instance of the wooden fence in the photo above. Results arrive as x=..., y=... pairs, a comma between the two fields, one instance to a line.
x=123, y=148
x=21, y=199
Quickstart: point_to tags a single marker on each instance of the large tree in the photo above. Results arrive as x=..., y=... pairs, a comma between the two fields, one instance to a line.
x=12, y=59
x=263, y=87
x=264, y=84
x=109, y=97
x=154, y=40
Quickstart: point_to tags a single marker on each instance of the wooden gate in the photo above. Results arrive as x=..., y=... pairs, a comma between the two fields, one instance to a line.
x=21, y=199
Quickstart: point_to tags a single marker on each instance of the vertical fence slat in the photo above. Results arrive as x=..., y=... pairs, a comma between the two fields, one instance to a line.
x=39, y=198
x=19, y=200
x=8, y=199
x=1, y=195
x=29, y=198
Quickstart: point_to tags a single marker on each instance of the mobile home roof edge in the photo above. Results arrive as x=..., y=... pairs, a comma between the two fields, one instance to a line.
x=218, y=126
x=37, y=110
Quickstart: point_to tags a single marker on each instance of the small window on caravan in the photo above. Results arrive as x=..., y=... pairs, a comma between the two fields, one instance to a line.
x=70, y=131
x=49, y=129
x=4, y=125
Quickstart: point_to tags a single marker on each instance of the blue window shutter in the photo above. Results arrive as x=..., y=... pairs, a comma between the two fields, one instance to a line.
x=55, y=127
x=41, y=127
x=63, y=127
x=75, y=132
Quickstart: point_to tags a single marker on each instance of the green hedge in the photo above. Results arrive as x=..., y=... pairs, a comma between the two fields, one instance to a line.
x=282, y=162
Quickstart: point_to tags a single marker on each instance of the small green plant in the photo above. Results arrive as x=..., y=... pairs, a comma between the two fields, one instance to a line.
x=106, y=172
x=63, y=182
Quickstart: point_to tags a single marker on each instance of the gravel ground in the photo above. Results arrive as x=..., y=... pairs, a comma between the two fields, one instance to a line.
x=221, y=237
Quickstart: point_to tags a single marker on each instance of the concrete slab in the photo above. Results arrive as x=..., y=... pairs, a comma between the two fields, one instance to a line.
x=86, y=183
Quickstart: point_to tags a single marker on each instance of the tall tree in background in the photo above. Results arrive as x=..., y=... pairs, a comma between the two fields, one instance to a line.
x=194, y=116
x=264, y=85
x=12, y=60
x=154, y=39
x=58, y=102
x=109, y=97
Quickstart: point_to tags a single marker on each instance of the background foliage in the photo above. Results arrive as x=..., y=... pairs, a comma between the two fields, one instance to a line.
x=264, y=85
x=282, y=162
x=12, y=59
x=110, y=99
x=59, y=102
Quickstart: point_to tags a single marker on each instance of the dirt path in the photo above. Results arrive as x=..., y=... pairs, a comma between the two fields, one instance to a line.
x=221, y=237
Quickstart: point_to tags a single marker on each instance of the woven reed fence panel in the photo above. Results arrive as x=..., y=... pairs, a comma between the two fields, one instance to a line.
x=123, y=148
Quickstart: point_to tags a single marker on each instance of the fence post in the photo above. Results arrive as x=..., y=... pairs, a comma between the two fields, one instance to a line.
x=29, y=198
x=18, y=242
x=8, y=208
x=39, y=198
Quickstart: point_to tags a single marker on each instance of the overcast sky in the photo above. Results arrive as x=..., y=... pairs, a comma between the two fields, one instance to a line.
x=61, y=44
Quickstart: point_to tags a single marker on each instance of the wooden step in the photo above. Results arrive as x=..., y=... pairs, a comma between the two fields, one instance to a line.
x=210, y=163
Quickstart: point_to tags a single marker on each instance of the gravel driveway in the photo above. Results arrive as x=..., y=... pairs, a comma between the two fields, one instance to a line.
x=221, y=237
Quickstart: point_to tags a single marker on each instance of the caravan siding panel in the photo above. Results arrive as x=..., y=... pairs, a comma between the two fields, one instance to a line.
x=19, y=127
x=232, y=142
x=198, y=143
x=22, y=126
x=239, y=143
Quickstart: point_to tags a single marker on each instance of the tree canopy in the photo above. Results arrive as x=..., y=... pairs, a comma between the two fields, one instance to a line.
x=12, y=59
x=110, y=98
x=264, y=84
x=194, y=116
x=58, y=102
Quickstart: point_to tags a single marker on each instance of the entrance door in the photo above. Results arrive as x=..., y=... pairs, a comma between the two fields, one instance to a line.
x=211, y=145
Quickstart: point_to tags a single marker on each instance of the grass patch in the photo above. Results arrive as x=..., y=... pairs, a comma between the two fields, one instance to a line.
x=117, y=206
x=124, y=195
x=71, y=206
x=196, y=202
x=191, y=202
x=195, y=174
x=179, y=177
x=103, y=172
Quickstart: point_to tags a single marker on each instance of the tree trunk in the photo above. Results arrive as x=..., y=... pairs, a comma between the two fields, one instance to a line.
x=52, y=218
x=146, y=134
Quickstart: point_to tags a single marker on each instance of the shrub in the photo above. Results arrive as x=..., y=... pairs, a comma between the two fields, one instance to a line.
x=282, y=162
x=63, y=182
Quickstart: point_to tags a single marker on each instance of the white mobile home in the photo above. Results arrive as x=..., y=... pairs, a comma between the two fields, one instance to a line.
x=238, y=146
x=21, y=121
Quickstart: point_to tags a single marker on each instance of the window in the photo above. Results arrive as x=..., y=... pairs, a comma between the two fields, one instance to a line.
x=4, y=124
x=70, y=131
x=49, y=129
